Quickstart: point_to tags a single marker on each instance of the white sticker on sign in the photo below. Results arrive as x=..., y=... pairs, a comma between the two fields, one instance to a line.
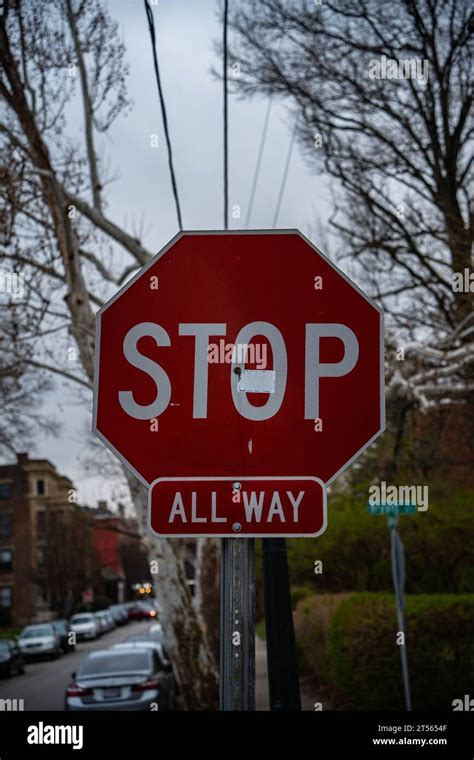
x=256, y=381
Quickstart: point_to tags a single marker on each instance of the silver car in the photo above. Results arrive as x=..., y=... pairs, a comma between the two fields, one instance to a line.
x=39, y=641
x=106, y=621
x=121, y=679
x=85, y=625
x=145, y=643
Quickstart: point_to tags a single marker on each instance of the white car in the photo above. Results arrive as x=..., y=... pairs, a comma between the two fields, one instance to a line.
x=84, y=625
x=106, y=620
x=39, y=640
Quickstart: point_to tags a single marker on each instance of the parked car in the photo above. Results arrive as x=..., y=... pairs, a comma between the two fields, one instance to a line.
x=63, y=629
x=101, y=623
x=39, y=640
x=11, y=658
x=106, y=620
x=149, y=642
x=121, y=679
x=119, y=614
x=156, y=629
x=142, y=611
x=85, y=625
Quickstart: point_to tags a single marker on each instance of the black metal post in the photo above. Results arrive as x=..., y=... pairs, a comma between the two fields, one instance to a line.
x=283, y=680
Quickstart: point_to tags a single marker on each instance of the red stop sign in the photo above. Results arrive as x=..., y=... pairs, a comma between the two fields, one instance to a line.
x=236, y=354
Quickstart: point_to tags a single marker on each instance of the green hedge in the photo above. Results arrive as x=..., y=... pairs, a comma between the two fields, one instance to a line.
x=355, y=549
x=348, y=643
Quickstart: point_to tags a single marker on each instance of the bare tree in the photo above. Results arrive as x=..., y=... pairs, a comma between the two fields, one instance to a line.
x=54, y=54
x=21, y=386
x=382, y=95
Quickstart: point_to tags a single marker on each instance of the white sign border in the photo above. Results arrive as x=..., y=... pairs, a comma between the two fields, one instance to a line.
x=158, y=256
x=241, y=479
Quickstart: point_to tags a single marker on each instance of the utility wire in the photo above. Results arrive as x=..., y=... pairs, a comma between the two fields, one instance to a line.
x=259, y=162
x=226, y=124
x=151, y=27
x=285, y=172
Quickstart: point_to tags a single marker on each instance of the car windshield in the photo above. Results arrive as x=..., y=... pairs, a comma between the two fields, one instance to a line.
x=5, y=644
x=144, y=639
x=60, y=625
x=37, y=630
x=115, y=664
x=83, y=619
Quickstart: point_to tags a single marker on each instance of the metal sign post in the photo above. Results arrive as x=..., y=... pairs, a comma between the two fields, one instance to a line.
x=398, y=574
x=237, y=668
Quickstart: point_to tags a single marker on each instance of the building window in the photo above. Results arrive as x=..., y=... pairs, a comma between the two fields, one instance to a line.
x=6, y=525
x=6, y=557
x=40, y=556
x=40, y=489
x=5, y=596
x=5, y=491
x=41, y=524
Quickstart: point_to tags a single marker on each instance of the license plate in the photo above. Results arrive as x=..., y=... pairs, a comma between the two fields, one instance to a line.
x=112, y=693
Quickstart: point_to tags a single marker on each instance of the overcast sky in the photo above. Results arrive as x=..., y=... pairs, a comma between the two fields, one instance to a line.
x=141, y=193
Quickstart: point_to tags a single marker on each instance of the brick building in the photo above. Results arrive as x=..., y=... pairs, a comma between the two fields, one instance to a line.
x=40, y=526
x=120, y=550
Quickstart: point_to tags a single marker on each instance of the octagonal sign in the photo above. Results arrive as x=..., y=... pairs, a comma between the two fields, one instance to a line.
x=237, y=358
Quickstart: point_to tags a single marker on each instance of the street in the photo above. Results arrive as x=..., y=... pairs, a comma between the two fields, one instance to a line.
x=44, y=683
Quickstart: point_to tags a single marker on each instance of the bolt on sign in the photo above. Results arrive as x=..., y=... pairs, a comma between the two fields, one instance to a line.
x=237, y=375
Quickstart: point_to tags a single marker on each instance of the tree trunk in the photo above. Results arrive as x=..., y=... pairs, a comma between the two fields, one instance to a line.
x=192, y=659
x=207, y=598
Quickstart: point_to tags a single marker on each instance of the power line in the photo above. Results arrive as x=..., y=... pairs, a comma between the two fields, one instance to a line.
x=259, y=161
x=226, y=124
x=285, y=172
x=151, y=27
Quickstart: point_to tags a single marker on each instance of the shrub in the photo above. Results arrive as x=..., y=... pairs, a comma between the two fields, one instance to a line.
x=312, y=620
x=298, y=593
x=355, y=549
x=364, y=659
x=347, y=642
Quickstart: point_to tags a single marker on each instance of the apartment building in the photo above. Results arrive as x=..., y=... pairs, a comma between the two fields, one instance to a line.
x=36, y=502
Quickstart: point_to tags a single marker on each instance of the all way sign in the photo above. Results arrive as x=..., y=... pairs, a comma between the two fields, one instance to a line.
x=239, y=358
x=228, y=507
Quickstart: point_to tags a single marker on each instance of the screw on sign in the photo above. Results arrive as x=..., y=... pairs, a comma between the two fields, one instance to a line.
x=239, y=357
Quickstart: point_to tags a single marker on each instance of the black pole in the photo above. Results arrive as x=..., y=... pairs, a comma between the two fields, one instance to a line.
x=283, y=680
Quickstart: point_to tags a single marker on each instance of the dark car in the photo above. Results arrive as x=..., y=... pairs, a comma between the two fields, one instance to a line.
x=122, y=679
x=11, y=658
x=63, y=630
